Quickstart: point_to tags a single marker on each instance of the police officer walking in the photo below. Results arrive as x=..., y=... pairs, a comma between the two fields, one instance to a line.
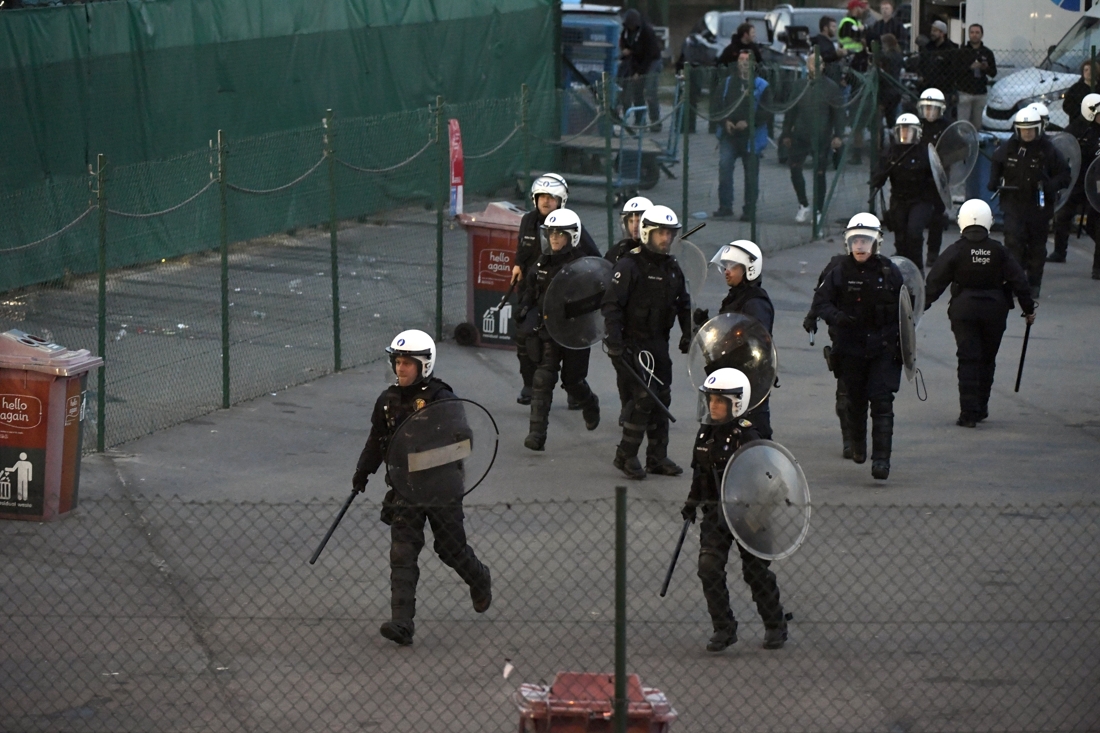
x=561, y=240
x=549, y=192
x=648, y=293
x=912, y=188
x=412, y=358
x=983, y=277
x=859, y=298
x=931, y=108
x=631, y=223
x=724, y=397
x=1030, y=172
x=742, y=262
x=809, y=323
x=1086, y=128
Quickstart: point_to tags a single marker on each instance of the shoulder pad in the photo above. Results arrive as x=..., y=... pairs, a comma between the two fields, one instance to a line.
x=744, y=423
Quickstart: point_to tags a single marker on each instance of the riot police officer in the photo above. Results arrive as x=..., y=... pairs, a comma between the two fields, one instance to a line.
x=412, y=358
x=912, y=189
x=859, y=298
x=560, y=246
x=983, y=277
x=1086, y=128
x=809, y=323
x=631, y=222
x=647, y=294
x=724, y=397
x=931, y=107
x=1030, y=172
x=741, y=263
x=549, y=192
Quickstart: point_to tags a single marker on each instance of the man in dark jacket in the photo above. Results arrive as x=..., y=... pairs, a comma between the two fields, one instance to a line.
x=829, y=49
x=743, y=39
x=640, y=59
x=938, y=61
x=859, y=299
x=1029, y=171
x=811, y=129
x=976, y=66
x=745, y=95
x=412, y=358
x=983, y=277
x=888, y=24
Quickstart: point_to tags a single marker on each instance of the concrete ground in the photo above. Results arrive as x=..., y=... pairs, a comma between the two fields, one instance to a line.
x=958, y=595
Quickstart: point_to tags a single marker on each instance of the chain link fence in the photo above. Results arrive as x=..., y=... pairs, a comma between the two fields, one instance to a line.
x=145, y=614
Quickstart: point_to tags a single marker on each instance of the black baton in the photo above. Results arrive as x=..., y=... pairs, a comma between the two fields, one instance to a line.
x=694, y=229
x=343, y=510
x=1023, y=353
x=675, y=557
x=622, y=363
x=511, y=289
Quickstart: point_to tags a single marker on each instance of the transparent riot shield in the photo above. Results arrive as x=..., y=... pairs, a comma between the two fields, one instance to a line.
x=1069, y=148
x=958, y=151
x=1092, y=184
x=766, y=500
x=441, y=452
x=914, y=283
x=694, y=265
x=939, y=176
x=908, y=334
x=571, y=308
x=738, y=341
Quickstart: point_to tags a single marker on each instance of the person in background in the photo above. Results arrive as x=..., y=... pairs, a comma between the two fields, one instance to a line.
x=977, y=66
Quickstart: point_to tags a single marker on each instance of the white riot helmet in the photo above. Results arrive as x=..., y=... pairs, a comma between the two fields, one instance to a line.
x=1028, y=119
x=552, y=184
x=931, y=104
x=658, y=217
x=909, y=124
x=975, y=213
x=740, y=252
x=1044, y=113
x=561, y=220
x=1089, y=106
x=729, y=384
x=634, y=207
x=864, y=225
x=415, y=345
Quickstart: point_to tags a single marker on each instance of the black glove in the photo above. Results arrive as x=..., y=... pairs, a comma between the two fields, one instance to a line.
x=359, y=481
x=700, y=316
x=688, y=512
x=810, y=324
x=685, y=342
x=844, y=320
x=614, y=348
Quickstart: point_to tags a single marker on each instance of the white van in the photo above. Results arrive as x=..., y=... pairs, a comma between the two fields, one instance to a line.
x=1048, y=82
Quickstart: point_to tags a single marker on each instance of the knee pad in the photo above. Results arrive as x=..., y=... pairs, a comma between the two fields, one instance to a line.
x=544, y=380
x=403, y=554
x=711, y=567
x=882, y=408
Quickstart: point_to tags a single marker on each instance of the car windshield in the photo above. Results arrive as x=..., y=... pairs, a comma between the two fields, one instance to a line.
x=1075, y=46
x=728, y=22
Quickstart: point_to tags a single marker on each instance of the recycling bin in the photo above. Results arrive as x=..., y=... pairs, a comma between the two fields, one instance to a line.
x=583, y=701
x=493, y=236
x=42, y=407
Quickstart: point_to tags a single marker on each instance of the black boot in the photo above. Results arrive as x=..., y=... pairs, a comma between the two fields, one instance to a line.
x=524, y=396
x=775, y=638
x=722, y=638
x=399, y=632
x=857, y=430
x=481, y=593
x=842, y=415
x=882, y=434
x=657, y=460
x=628, y=464
x=590, y=411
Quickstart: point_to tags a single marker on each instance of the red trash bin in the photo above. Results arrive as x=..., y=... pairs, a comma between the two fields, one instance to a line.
x=584, y=702
x=493, y=236
x=42, y=405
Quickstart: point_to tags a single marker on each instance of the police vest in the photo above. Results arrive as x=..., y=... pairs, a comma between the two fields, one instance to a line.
x=980, y=266
x=546, y=269
x=650, y=310
x=529, y=241
x=714, y=446
x=401, y=402
x=1024, y=166
x=866, y=294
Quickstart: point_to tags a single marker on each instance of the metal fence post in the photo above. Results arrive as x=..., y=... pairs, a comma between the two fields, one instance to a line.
x=876, y=124
x=620, y=609
x=101, y=382
x=817, y=151
x=441, y=141
x=609, y=193
x=223, y=244
x=751, y=159
x=331, y=156
x=687, y=111
x=525, y=123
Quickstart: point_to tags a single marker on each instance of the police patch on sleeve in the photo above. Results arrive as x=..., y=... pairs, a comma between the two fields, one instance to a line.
x=419, y=403
x=744, y=423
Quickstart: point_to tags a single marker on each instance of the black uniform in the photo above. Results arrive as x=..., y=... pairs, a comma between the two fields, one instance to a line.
x=751, y=299
x=406, y=521
x=623, y=383
x=1033, y=174
x=552, y=357
x=860, y=301
x=648, y=293
x=527, y=252
x=810, y=324
x=930, y=132
x=714, y=446
x=983, y=276
x=913, y=196
x=1088, y=137
x=811, y=124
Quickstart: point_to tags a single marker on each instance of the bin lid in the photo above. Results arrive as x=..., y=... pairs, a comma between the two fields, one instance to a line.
x=497, y=215
x=19, y=350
